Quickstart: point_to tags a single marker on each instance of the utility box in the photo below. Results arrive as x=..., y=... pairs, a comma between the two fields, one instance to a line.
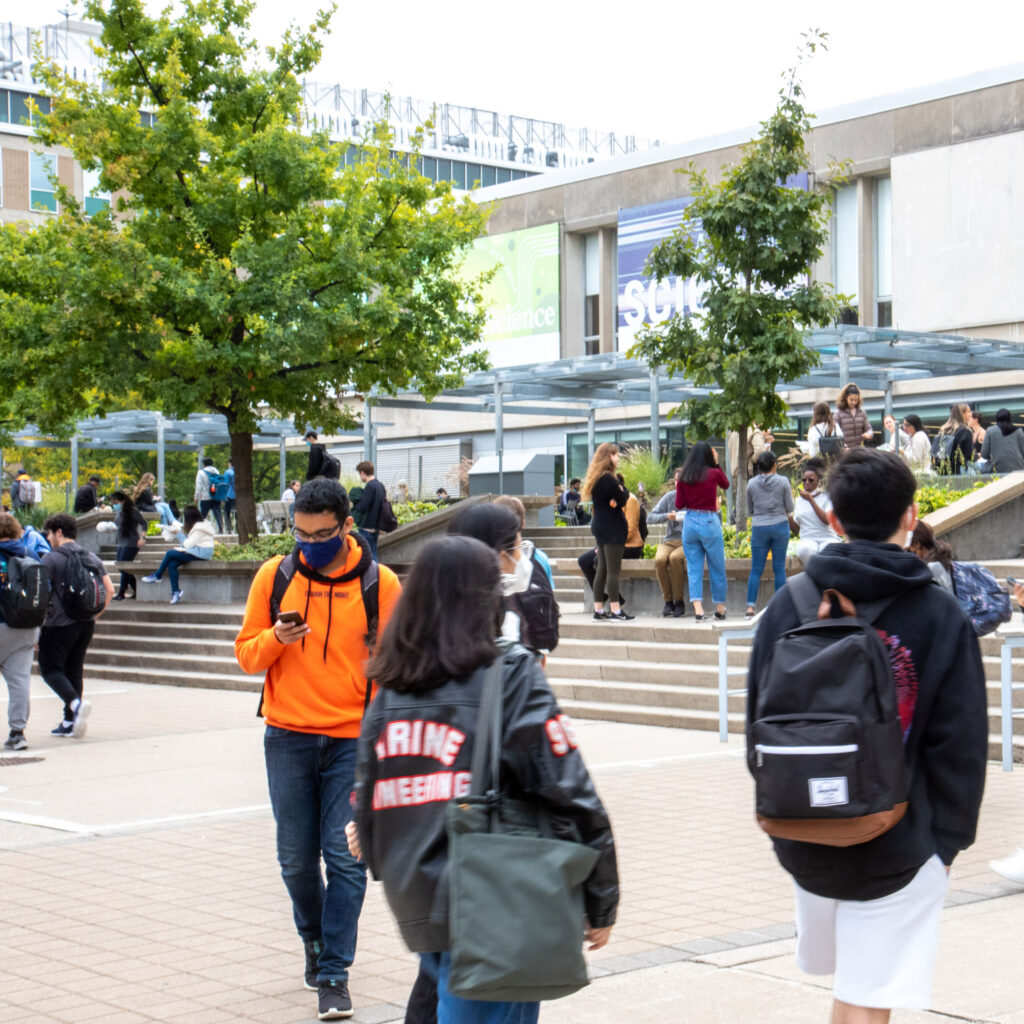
x=523, y=473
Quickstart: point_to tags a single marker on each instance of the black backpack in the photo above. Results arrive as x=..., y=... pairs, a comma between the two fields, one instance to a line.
x=387, y=521
x=24, y=591
x=331, y=467
x=538, y=611
x=82, y=592
x=825, y=745
x=642, y=523
x=368, y=587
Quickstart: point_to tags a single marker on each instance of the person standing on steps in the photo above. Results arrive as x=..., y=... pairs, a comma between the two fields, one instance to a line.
x=64, y=639
x=231, y=500
x=608, y=526
x=204, y=495
x=770, y=507
x=670, y=560
x=333, y=600
x=697, y=495
x=851, y=418
x=131, y=535
x=370, y=505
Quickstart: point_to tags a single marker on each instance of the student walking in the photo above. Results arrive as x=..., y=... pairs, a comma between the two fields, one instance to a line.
x=431, y=669
x=697, y=495
x=205, y=493
x=670, y=559
x=17, y=643
x=65, y=636
x=608, y=527
x=198, y=546
x=770, y=507
x=232, y=499
x=868, y=912
x=851, y=418
x=131, y=535
x=334, y=600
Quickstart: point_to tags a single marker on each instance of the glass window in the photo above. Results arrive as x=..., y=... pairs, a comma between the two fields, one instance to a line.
x=845, y=244
x=95, y=198
x=444, y=170
x=19, y=108
x=428, y=167
x=473, y=175
x=458, y=174
x=487, y=177
x=591, y=294
x=42, y=194
x=883, y=245
x=503, y=175
x=5, y=106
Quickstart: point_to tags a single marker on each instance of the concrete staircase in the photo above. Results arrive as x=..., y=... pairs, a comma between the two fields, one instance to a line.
x=650, y=671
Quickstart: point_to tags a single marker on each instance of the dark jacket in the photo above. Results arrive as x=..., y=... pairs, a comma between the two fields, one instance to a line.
x=963, y=449
x=56, y=562
x=129, y=527
x=370, y=504
x=86, y=499
x=609, y=524
x=403, y=837
x=145, y=502
x=940, y=688
x=317, y=461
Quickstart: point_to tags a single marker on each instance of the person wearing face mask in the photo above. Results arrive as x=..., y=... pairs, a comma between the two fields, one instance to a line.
x=531, y=612
x=314, y=698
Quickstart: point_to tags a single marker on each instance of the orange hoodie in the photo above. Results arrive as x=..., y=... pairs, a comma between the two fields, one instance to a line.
x=317, y=685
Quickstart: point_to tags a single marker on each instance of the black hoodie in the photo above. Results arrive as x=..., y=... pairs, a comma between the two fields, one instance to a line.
x=940, y=684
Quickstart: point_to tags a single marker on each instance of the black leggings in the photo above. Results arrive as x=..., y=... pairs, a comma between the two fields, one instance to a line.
x=62, y=659
x=127, y=553
x=609, y=562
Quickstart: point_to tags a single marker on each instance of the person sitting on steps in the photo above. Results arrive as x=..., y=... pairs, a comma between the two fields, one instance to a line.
x=198, y=546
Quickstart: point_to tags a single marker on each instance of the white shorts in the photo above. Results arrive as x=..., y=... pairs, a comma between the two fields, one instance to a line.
x=882, y=952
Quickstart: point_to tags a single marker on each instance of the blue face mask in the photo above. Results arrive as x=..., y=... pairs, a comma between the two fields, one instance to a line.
x=322, y=552
x=117, y=506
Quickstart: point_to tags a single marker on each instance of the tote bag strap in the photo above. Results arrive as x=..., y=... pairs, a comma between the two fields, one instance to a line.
x=486, y=770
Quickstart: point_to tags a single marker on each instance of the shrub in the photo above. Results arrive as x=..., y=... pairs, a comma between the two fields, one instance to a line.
x=265, y=546
x=639, y=465
x=933, y=496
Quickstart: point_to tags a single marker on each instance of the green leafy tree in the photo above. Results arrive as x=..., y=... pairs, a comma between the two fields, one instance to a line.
x=749, y=240
x=243, y=268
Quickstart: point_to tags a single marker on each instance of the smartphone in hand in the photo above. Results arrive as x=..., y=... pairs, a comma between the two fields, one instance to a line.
x=291, y=618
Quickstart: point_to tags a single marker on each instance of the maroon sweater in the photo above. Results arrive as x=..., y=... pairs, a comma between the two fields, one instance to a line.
x=702, y=497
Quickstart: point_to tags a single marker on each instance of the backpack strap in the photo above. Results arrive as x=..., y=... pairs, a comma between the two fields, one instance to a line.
x=810, y=601
x=286, y=569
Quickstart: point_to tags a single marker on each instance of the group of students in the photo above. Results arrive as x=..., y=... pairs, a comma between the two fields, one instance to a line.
x=310, y=621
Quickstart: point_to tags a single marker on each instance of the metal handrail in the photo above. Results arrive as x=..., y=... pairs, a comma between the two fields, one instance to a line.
x=730, y=631
x=1006, y=688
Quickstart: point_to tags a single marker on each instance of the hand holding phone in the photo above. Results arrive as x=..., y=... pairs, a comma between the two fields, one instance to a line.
x=292, y=618
x=290, y=627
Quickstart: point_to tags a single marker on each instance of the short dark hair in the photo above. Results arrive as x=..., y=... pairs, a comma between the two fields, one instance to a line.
x=495, y=525
x=446, y=621
x=191, y=516
x=765, y=461
x=67, y=525
x=94, y=479
x=575, y=482
x=207, y=462
x=322, y=494
x=310, y=433
x=915, y=421
x=365, y=467
x=870, y=491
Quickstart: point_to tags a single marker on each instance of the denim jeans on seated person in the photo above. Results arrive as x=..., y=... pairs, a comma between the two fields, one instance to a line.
x=702, y=538
x=453, y=1009
x=311, y=779
x=171, y=561
x=763, y=539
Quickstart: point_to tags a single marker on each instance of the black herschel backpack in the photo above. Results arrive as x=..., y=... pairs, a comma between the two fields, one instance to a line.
x=825, y=747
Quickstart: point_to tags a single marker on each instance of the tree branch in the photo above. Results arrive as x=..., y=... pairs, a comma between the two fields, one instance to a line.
x=156, y=93
x=316, y=291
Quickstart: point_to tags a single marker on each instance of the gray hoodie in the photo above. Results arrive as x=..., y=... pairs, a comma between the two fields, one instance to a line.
x=659, y=514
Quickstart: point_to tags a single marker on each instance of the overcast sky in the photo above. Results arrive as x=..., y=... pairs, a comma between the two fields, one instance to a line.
x=659, y=70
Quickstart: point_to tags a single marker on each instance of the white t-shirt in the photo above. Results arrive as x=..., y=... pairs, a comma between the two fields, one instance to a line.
x=287, y=494
x=814, y=436
x=919, y=452
x=811, y=527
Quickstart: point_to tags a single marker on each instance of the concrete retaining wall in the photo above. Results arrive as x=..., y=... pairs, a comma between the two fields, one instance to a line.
x=984, y=524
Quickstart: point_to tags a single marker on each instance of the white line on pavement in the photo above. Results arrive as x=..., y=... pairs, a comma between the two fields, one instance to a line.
x=650, y=762
x=121, y=826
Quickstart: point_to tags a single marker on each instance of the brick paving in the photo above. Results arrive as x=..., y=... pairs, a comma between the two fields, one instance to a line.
x=139, y=881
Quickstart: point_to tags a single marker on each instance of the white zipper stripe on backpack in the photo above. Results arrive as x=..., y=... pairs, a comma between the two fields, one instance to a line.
x=764, y=748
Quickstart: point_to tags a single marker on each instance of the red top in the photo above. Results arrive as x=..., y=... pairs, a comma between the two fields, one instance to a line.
x=702, y=497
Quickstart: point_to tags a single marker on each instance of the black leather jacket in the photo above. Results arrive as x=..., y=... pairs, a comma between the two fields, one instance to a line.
x=415, y=752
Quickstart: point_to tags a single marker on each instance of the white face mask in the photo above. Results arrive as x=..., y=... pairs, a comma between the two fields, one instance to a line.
x=518, y=580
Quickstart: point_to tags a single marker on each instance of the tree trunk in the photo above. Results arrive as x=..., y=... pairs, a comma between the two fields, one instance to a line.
x=245, y=502
x=740, y=483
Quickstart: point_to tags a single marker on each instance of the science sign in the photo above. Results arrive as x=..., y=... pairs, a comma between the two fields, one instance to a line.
x=522, y=298
x=642, y=300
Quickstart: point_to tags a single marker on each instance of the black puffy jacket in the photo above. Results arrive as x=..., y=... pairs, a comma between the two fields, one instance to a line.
x=415, y=753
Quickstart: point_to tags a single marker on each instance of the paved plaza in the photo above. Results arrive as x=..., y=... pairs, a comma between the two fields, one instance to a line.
x=138, y=883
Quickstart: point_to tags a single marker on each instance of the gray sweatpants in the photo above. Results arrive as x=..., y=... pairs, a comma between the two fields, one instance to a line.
x=16, y=647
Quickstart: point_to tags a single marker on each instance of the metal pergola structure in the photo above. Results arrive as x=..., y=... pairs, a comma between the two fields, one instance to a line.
x=877, y=358
x=141, y=430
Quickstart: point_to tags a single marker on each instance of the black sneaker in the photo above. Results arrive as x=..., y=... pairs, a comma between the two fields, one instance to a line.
x=313, y=948
x=668, y=610
x=16, y=741
x=64, y=729
x=600, y=616
x=334, y=1002
x=679, y=609
x=621, y=616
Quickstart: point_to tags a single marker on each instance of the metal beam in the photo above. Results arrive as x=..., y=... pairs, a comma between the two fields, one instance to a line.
x=499, y=435
x=655, y=418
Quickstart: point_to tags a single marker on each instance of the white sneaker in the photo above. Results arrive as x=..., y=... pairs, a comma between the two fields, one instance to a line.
x=176, y=597
x=150, y=579
x=1011, y=867
x=79, y=725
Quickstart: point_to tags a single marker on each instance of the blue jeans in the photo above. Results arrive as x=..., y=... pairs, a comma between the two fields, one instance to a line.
x=702, y=539
x=170, y=562
x=763, y=539
x=370, y=536
x=311, y=779
x=455, y=1010
x=166, y=515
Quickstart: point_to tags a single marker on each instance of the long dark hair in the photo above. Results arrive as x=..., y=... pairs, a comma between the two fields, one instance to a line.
x=192, y=515
x=699, y=459
x=445, y=623
x=1004, y=421
x=495, y=525
x=935, y=550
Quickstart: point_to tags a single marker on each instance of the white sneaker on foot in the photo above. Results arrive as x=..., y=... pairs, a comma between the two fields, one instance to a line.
x=1011, y=867
x=79, y=725
x=151, y=579
x=176, y=597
